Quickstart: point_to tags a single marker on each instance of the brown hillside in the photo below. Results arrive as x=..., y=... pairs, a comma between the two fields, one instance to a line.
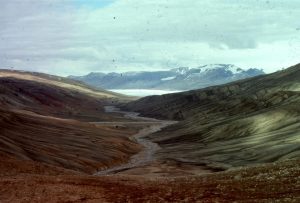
x=58, y=97
x=28, y=130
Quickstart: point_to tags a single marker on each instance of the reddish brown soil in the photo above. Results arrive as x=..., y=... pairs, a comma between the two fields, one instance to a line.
x=66, y=143
x=270, y=183
x=12, y=166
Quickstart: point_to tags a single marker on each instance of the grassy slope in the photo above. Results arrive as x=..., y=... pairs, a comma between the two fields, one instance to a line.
x=250, y=121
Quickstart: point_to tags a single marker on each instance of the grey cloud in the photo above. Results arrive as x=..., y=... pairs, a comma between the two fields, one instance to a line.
x=58, y=37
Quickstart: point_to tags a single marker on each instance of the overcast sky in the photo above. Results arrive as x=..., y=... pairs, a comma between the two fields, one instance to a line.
x=74, y=37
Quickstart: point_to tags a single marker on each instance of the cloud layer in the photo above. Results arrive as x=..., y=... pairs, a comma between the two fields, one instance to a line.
x=75, y=37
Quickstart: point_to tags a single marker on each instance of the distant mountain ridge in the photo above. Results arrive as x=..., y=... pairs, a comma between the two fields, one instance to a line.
x=182, y=78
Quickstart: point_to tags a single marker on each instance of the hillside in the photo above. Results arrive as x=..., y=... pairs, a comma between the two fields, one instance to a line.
x=175, y=79
x=63, y=143
x=37, y=123
x=53, y=95
x=245, y=122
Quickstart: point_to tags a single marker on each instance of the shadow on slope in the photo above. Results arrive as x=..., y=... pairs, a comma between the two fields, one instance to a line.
x=246, y=122
x=65, y=143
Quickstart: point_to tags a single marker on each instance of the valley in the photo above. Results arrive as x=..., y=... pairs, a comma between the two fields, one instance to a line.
x=161, y=101
x=149, y=148
x=64, y=141
x=242, y=123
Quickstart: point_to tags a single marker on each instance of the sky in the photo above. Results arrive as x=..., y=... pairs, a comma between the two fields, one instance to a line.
x=75, y=37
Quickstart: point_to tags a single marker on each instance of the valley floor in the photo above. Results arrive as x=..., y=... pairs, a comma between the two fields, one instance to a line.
x=148, y=181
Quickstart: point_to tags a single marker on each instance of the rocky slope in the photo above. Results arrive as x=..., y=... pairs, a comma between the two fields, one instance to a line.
x=246, y=122
x=37, y=113
x=174, y=79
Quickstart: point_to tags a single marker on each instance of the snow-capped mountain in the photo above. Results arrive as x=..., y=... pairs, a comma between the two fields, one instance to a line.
x=228, y=67
x=182, y=78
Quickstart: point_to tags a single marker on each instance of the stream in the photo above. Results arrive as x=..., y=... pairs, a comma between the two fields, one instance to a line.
x=149, y=148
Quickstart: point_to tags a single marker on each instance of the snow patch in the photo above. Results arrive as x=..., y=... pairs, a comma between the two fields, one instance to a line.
x=229, y=67
x=181, y=71
x=168, y=78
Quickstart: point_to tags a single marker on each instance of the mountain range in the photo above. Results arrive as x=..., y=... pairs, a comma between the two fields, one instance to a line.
x=182, y=78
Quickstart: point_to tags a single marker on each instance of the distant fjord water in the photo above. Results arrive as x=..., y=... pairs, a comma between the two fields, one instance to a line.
x=143, y=92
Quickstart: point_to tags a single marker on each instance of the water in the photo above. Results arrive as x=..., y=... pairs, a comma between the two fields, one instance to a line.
x=146, y=155
x=143, y=92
